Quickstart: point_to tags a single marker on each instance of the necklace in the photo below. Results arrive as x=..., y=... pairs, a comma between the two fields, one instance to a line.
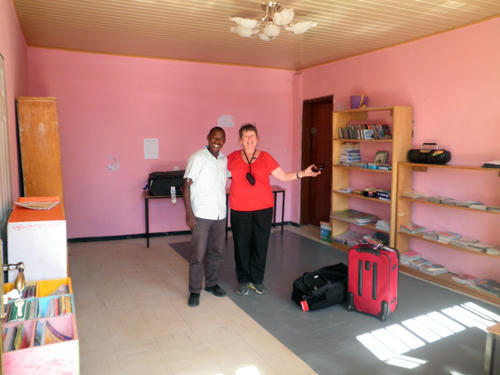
x=249, y=164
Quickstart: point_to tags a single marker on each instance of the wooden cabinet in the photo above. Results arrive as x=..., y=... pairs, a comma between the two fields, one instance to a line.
x=40, y=149
x=404, y=216
x=398, y=146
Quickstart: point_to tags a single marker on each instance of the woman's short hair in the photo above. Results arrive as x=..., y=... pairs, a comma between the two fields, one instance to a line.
x=248, y=128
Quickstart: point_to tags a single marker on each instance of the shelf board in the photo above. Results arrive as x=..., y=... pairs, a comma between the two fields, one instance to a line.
x=420, y=237
x=363, y=197
x=360, y=169
x=425, y=201
x=361, y=140
x=367, y=109
x=450, y=166
x=445, y=280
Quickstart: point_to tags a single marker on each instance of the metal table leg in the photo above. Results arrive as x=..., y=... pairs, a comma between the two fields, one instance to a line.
x=146, y=202
x=283, y=213
x=489, y=354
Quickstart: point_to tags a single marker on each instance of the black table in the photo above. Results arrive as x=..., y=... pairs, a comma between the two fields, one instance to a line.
x=276, y=189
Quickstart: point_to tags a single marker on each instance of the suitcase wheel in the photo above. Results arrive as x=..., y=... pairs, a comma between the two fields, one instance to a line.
x=384, y=311
x=350, y=301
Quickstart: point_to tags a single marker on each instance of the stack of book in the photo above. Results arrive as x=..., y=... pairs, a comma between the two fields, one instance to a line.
x=493, y=208
x=447, y=236
x=438, y=199
x=493, y=250
x=463, y=278
x=349, y=153
x=476, y=206
x=449, y=202
x=377, y=238
x=431, y=235
x=383, y=225
x=413, y=194
x=419, y=262
x=15, y=338
x=479, y=247
x=486, y=285
x=349, y=238
x=412, y=228
x=467, y=203
x=463, y=242
x=433, y=269
x=355, y=217
x=408, y=256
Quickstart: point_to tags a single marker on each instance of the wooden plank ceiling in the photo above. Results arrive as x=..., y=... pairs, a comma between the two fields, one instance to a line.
x=198, y=30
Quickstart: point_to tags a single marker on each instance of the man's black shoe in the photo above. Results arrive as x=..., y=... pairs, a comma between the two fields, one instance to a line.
x=216, y=290
x=194, y=299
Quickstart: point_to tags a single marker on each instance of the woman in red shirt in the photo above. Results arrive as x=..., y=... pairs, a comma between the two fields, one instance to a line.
x=251, y=201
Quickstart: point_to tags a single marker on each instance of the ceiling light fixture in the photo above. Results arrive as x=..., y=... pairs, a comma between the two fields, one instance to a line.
x=271, y=24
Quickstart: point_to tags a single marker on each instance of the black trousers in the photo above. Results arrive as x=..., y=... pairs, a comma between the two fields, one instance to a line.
x=251, y=232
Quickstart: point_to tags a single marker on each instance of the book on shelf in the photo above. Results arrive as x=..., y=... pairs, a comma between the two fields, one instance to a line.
x=433, y=269
x=447, y=236
x=492, y=164
x=349, y=238
x=467, y=203
x=463, y=278
x=8, y=338
x=449, y=202
x=463, y=242
x=377, y=238
x=40, y=332
x=479, y=247
x=383, y=225
x=384, y=194
x=486, y=285
x=493, y=208
x=355, y=217
x=437, y=198
x=493, y=250
x=413, y=194
x=386, y=131
x=54, y=336
x=431, y=235
x=478, y=207
x=412, y=228
x=408, y=256
x=61, y=289
x=419, y=262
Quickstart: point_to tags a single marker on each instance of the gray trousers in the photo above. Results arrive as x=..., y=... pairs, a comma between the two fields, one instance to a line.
x=207, y=239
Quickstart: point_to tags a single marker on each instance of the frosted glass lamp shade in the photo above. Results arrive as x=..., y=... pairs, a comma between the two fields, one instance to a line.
x=245, y=22
x=301, y=27
x=284, y=17
x=263, y=37
x=241, y=31
x=271, y=31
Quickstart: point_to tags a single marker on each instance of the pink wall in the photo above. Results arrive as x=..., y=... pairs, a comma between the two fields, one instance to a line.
x=452, y=81
x=108, y=105
x=13, y=48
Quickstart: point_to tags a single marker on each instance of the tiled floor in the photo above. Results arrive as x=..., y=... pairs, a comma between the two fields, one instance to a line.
x=133, y=318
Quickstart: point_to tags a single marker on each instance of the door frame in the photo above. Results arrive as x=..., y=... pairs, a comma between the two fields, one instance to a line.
x=305, y=191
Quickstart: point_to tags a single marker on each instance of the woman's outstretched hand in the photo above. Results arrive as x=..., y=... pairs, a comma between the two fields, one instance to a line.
x=309, y=172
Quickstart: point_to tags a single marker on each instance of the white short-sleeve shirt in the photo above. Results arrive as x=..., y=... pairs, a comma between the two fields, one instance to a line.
x=208, y=190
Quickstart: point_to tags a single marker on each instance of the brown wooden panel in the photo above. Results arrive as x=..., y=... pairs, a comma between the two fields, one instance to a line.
x=40, y=148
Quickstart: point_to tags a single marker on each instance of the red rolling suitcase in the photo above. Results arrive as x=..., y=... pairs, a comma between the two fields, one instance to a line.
x=373, y=280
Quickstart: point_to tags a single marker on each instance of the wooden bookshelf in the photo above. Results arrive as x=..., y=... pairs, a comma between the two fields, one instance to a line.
x=398, y=146
x=404, y=212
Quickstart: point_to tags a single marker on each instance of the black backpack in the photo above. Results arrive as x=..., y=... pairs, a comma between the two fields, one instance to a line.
x=322, y=288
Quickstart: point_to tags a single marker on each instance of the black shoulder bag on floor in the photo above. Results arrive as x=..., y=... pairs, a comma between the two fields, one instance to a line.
x=322, y=288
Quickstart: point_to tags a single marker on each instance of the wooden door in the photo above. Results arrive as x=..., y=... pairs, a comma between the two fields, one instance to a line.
x=316, y=149
x=40, y=149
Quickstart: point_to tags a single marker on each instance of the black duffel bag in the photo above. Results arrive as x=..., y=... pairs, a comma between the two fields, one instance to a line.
x=322, y=288
x=429, y=153
x=160, y=183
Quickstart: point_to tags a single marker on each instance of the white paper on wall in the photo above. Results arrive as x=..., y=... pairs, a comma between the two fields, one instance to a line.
x=151, y=148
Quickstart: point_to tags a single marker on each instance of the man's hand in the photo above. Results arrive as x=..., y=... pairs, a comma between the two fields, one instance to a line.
x=190, y=220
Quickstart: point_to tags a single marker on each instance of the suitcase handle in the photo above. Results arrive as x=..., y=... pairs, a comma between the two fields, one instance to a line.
x=371, y=250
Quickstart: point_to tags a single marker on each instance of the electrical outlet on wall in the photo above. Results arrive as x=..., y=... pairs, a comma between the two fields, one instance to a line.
x=176, y=168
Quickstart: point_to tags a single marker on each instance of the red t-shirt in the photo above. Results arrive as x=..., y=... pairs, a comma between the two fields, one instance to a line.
x=243, y=196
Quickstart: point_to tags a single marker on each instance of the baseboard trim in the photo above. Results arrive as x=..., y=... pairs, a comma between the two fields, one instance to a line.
x=143, y=235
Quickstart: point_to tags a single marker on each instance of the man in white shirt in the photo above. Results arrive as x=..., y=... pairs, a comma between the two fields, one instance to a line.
x=204, y=194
